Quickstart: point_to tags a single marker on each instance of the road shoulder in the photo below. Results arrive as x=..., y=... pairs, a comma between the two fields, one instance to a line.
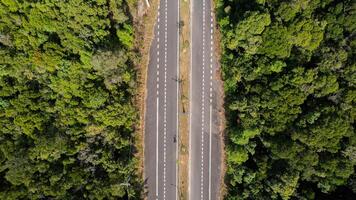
x=144, y=23
x=220, y=101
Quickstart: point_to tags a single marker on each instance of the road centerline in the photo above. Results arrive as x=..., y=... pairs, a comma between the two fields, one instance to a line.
x=203, y=145
x=165, y=106
x=157, y=104
x=160, y=122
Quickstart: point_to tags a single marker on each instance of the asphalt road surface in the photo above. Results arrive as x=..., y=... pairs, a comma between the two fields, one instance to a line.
x=204, y=161
x=161, y=118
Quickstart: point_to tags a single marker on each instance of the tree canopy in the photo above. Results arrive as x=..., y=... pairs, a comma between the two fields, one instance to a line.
x=67, y=80
x=290, y=81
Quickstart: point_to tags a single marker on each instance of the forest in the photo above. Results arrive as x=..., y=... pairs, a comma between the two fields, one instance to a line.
x=67, y=115
x=289, y=77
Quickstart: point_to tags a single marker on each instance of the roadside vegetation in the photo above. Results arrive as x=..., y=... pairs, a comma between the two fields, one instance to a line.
x=289, y=76
x=67, y=82
x=184, y=62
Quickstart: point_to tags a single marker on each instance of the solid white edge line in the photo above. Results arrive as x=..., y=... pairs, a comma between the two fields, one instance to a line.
x=210, y=107
x=157, y=126
x=177, y=129
x=190, y=100
x=210, y=152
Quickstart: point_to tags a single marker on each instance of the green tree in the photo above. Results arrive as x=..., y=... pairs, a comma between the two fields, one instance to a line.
x=289, y=79
x=67, y=84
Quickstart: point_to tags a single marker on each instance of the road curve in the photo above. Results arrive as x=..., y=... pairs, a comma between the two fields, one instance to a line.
x=161, y=116
x=204, y=161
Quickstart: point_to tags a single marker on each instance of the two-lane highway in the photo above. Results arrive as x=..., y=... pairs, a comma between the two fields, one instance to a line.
x=161, y=118
x=204, y=153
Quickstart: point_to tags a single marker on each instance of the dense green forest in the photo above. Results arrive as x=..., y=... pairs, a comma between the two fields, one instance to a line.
x=290, y=82
x=67, y=82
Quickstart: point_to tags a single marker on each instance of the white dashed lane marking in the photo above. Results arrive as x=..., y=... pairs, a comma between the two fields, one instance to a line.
x=165, y=106
x=210, y=96
x=157, y=104
x=203, y=111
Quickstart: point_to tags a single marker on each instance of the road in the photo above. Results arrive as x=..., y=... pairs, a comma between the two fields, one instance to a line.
x=161, y=116
x=204, y=161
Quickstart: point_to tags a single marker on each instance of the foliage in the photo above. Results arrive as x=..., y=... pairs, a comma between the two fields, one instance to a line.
x=66, y=111
x=289, y=73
